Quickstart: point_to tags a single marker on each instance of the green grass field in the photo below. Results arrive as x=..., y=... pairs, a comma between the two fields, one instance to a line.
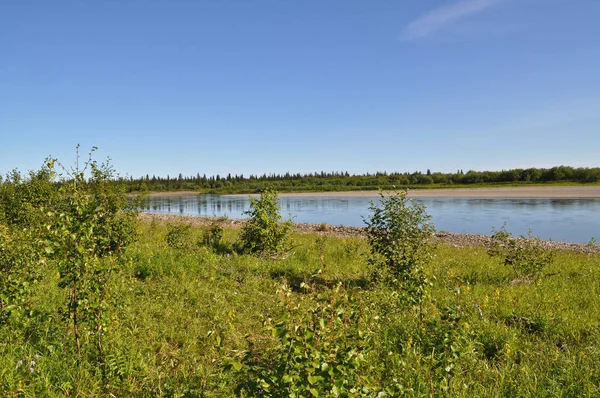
x=195, y=323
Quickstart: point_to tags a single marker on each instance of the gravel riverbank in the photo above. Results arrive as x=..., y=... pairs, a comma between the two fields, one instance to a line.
x=456, y=240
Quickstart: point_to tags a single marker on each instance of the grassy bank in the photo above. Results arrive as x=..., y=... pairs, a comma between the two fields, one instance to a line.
x=197, y=322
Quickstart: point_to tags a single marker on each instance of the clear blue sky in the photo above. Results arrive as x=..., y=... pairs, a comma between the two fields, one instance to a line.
x=256, y=86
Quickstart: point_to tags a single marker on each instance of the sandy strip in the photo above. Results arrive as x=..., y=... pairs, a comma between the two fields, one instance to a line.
x=502, y=192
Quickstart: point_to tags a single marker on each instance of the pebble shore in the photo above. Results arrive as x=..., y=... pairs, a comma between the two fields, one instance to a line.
x=456, y=240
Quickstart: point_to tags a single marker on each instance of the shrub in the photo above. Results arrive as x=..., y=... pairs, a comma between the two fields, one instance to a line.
x=265, y=232
x=24, y=205
x=398, y=233
x=179, y=236
x=20, y=268
x=25, y=201
x=213, y=237
x=525, y=255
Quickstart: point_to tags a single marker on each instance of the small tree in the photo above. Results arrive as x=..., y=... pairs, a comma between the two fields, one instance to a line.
x=89, y=230
x=398, y=233
x=265, y=231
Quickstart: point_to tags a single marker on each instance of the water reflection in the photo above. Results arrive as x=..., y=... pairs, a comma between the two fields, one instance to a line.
x=575, y=220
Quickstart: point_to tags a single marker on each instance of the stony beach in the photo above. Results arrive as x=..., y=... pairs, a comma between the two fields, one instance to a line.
x=456, y=240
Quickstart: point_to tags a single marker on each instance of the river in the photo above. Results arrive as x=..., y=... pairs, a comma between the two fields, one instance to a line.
x=568, y=220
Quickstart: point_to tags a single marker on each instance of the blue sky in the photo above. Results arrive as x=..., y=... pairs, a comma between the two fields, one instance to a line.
x=256, y=86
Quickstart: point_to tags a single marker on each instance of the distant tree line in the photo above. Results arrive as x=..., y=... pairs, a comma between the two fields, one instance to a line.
x=343, y=181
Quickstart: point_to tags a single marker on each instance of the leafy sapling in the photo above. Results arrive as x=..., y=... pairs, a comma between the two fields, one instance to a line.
x=399, y=235
x=265, y=232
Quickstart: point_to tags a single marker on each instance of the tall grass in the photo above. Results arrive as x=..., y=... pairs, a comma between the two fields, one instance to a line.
x=183, y=317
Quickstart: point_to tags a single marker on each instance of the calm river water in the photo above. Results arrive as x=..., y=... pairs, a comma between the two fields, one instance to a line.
x=570, y=220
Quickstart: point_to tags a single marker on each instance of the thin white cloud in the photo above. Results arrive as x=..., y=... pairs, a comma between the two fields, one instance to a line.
x=436, y=19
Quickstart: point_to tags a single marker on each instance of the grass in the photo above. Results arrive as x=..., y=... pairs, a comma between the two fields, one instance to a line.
x=178, y=314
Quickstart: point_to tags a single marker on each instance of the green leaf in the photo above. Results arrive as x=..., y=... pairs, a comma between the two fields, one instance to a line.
x=314, y=379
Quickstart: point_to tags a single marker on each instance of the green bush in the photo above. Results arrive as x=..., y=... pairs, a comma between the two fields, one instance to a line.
x=25, y=204
x=265, y=231
x=525, y=255
x=179, y=236
x=398, y=233
x=213, y=238
x=25, y=201
x=21, y=263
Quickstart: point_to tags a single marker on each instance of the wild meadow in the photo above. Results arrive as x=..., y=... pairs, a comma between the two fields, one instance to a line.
x=94, y=302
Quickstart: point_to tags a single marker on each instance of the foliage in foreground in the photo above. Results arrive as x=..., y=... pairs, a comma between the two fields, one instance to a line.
x=196, y=323
x=74, y=227
x=193, y=321
x=322, y=347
